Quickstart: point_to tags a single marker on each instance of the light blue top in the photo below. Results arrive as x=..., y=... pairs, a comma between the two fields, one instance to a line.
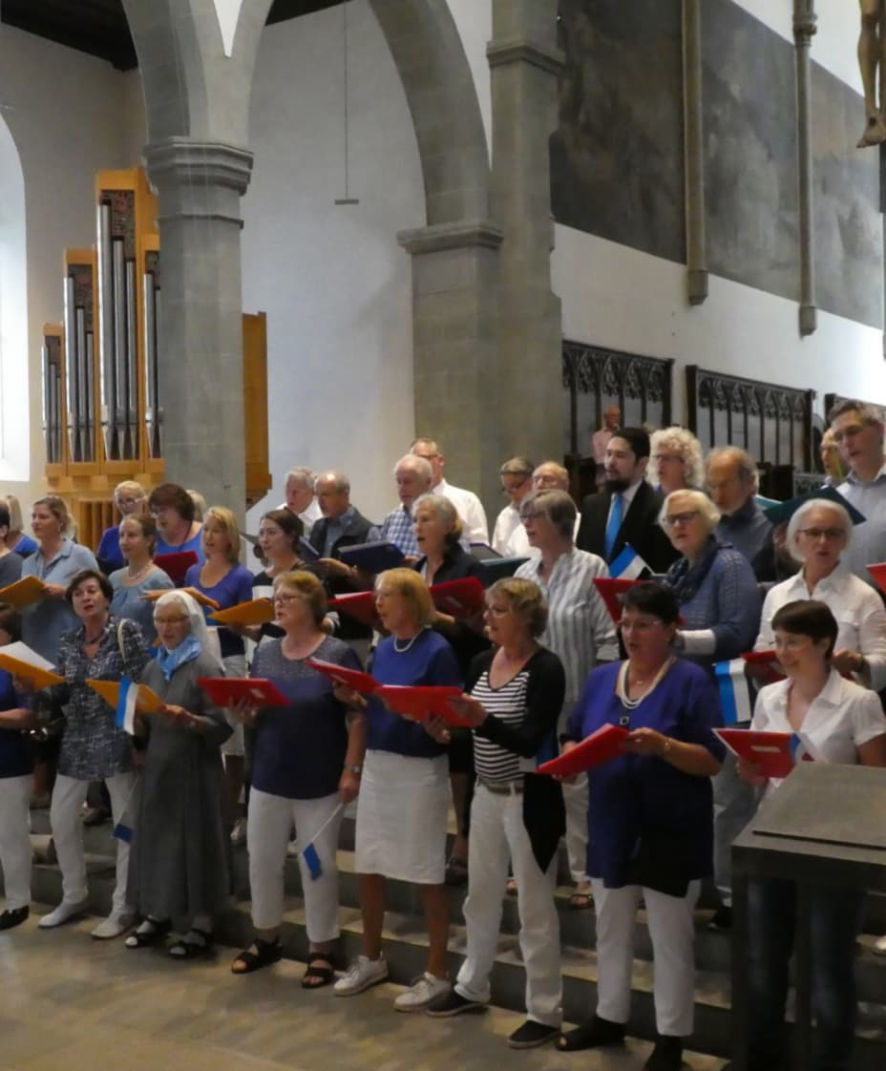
x=128, y=602
x=45, y=622
x=868, y=543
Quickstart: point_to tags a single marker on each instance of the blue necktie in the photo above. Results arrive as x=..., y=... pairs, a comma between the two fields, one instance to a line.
x=613, y=524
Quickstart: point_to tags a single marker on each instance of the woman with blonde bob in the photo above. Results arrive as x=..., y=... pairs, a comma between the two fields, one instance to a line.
x=404, y=795
x=130, y=499
x=818, y=534
x=675, y=461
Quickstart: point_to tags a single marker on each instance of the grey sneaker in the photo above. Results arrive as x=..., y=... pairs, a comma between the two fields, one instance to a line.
x=421, y=993
x=362, y=974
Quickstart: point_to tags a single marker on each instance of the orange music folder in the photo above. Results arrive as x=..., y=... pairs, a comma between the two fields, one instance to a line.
x=254, y=612
x=601, y=746
x=610, y=588
x=461, y=598
x=358, y=604
x=147, y=700
x=254, y=691
x=420, y=702
x=197, y=596
x=38, y=672
x=351, y=678
x=23, y=592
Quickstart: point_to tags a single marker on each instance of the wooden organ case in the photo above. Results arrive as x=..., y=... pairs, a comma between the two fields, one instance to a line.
x=102, y=399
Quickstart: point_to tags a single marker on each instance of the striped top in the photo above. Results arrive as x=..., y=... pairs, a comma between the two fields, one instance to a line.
x=580, y=631
x=493, y=762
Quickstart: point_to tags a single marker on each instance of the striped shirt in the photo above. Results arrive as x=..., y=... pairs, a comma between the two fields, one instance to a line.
x=579, y=631
x=398, y=528
x=508, y=704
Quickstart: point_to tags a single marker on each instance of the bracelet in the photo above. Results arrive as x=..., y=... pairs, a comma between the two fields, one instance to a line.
x=354, y=770
x=666, y=750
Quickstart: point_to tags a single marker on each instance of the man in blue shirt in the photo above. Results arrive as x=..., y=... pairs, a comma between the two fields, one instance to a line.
x=858, y=432
x=414, y=476
x=732, y=484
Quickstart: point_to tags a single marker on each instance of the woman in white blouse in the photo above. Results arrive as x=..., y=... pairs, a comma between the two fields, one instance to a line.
x=841, y=722
x=818, y=534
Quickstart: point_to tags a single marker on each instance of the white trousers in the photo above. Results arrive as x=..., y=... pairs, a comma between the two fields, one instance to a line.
x=498, y=836
x=269, y=824
x=68, y=797
x=15, y=841
x=672, y=929
x=575, y=799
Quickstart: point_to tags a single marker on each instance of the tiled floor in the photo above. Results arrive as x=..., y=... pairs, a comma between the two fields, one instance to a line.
x=73, y=1004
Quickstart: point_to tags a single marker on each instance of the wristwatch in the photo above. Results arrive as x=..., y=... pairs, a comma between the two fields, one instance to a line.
x=354, y=770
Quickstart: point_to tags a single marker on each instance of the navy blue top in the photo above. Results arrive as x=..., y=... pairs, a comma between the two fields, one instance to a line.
x=640, y=799
x=25, y=546
x=15, y=757
x=300, y=749
x=429, y=660
x=233, y=588
x=109, y=554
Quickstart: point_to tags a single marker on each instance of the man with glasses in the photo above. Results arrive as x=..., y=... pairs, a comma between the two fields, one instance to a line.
x=548, y=476
x=732, y=483
x=469, y=507
x=858, y=432
x=413, y=475
x=516, y=483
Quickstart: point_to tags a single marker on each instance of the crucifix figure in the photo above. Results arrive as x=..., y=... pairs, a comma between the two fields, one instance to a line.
x=871, y=58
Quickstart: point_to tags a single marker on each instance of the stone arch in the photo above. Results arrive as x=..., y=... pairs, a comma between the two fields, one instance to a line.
x=14, y=408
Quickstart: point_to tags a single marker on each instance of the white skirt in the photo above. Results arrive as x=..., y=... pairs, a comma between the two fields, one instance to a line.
x=401, y=817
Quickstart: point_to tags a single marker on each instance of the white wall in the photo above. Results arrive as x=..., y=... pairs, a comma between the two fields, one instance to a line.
x=473, y=19
x=66, y=114
x=335, y=285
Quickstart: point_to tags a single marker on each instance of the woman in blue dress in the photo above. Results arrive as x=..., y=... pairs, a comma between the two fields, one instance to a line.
x=138, y=540
x=650, y=821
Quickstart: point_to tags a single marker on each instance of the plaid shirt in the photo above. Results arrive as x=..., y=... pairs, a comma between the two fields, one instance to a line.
x=397, y=528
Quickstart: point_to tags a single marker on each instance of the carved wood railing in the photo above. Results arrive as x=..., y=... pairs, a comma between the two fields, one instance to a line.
x=830, y=400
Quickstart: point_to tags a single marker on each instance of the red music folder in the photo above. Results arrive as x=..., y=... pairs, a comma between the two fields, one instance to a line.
x=421, y=702
x=351, y=678
x=601, y=746
x=254, y=691
x=775, y=753
x=610, y=588
x=878, y=575
x=358, y=604
x=460, y=598
x=176, y=564
x=764, y=666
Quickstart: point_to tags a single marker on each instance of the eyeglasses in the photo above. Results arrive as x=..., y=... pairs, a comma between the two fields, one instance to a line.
x=530, y=514
x=823, y=533
x=170, y=620
x=285, y=596
x=666, y=458
x=681, y=518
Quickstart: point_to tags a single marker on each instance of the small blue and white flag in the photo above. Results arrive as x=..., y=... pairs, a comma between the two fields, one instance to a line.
x=126, y=701
x=627, y=565
x=309, y=852
x=735, y=692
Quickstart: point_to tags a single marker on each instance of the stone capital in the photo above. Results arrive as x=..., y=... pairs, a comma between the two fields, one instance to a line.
x=198, y=163
x=460, y=235
x=506, y=50
x=805, y=22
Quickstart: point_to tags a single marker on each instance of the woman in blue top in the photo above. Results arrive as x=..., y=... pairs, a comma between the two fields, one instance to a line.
x=137, y=541
x=404, y=796
x=649, y=820
x=174, y=511
x=129, y=498
x=221, y=577
x=15, y=787
x=307, y=761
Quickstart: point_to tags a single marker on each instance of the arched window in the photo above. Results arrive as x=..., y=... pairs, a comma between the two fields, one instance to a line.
x=14, y=357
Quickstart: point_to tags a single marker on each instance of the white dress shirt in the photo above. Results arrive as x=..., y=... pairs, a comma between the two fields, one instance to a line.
x=841, y=718
x=518, y=544
x=868, y=538
x=505, y=523
x=469, y=508
x=859, y=610
x=310, y=515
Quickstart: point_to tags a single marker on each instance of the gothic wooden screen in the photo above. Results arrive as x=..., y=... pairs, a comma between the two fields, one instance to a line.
x=830, y=400
x=595, y=377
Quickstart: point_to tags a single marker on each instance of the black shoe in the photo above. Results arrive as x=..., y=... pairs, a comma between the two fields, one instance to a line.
x=532, y=1034
x=452, y=1003
x=721, y=919
x=10, y=919
x=666, y=1056
x=590, y=1035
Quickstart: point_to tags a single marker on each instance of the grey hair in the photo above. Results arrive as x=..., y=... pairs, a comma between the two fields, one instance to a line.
x=339, y=481
x=516, y=466
x=562, y=473
x=682, y=442
x=444, y=511
x=301, y=475
x=747, y=467
x=799, y=515
x=419, y=465
x=699, y=500
x=557, y=506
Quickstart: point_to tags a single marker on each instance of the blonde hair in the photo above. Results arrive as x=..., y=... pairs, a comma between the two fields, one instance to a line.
x=444, y=511
x=682, y=442
x=525, y=598
x=308, y=587
x=228, y=522
x=16, y=522
x=133, y=487
x=199, y=505
x=59, y=509
x=408, y=584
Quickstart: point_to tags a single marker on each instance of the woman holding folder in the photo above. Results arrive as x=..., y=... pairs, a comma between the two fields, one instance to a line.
x=307, y=762
x=137, y=542
x=840, y=722
x=650, y=823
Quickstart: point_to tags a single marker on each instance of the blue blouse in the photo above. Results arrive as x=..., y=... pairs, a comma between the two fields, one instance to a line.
x=429, y=660
x=45, y=622
x=127, y=601
x=233, y=588
x=15, y=756
x=109, y=553
x=640, y=800
x=195, y=543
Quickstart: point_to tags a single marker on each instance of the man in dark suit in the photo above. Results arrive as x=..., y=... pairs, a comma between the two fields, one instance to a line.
x=626, y=510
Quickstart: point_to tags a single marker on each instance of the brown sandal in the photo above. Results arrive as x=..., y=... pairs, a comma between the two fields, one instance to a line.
x=320, y=970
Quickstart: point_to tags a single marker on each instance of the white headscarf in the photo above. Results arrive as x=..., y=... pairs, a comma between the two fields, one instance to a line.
x=206, y=637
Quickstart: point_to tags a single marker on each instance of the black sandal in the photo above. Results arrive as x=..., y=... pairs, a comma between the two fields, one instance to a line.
x=145, y=938
x=317, y=976
x=194, y=943
x=266, y=953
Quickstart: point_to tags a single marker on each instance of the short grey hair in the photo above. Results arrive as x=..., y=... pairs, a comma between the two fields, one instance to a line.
x=562, y=473
x=419, y=465
x=339, y=481
x=682, y=442
x=444, y=511
x=699, y=500
x=301, y=475
x=796, y=521
x=556, y=506
x=516, y=466
x=747, y=467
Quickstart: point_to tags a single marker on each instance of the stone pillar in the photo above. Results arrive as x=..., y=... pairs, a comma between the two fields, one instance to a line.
x=199, y=185
x=804, y=30
x=696, y=241
x=525, y=63
x=457, y=395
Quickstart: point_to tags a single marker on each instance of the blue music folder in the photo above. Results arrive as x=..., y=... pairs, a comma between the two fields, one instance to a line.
x=373, y=558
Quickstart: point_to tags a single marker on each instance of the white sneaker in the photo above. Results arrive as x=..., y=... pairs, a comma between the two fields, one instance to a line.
x=880, y=946
x=362, y=974
x=420, y=994
x=63, y=913
x=238, y=833
x=113, y=926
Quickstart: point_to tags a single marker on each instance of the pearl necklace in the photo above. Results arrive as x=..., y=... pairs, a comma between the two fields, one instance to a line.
x=621, y=687
x=403, y=650
x=133, y=578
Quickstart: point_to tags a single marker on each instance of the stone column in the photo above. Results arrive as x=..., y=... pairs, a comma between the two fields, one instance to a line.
x=199, y=185
x=454, y=268
x=804, y=30
x=525, y=63
x=696, y=241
